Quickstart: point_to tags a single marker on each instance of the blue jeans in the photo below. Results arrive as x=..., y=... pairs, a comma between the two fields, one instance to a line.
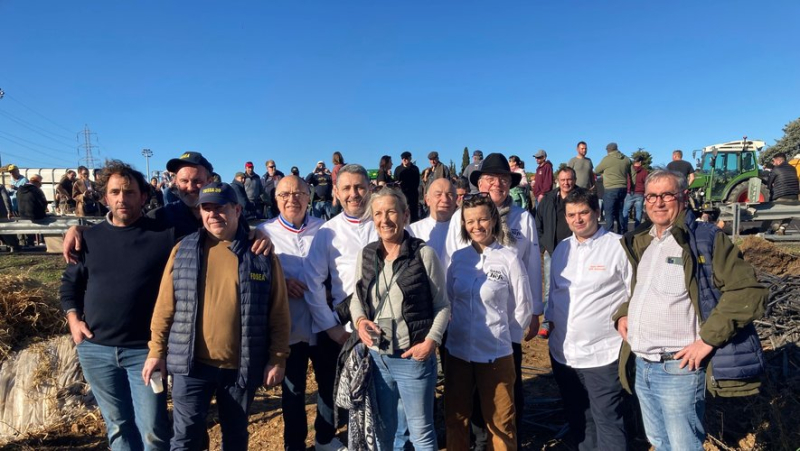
x=414, y=382
x=613, y=201
x=637, y=202
x=136, y=418
x=191, y=396
x=673, y=402
x=322, y=209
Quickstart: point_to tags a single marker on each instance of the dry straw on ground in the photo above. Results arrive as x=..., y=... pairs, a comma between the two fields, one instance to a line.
x=28, y=312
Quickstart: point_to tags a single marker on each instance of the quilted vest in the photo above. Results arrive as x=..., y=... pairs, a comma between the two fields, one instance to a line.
x=254, y=300
x=413, y=283
x=741, y=357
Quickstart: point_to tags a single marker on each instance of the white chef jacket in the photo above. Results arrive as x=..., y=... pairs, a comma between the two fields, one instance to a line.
x=588, y=282
x=334, y=251
x=432, y=232
x=523, y=228
x=292, y=246
x=489, y=297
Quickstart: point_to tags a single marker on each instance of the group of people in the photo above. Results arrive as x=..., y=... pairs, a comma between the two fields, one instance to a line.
x=370, y=295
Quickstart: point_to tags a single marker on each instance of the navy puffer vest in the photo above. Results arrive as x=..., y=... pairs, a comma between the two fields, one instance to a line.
x=254, y=298
x=741, y=357
x=413, y=283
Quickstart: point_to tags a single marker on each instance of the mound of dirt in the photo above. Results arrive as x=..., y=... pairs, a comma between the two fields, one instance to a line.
x=766, y=256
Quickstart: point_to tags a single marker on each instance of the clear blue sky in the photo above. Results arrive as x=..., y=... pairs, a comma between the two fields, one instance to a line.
x=296, y=80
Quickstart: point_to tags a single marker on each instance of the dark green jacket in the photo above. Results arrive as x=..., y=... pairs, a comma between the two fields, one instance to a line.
x=743, y=300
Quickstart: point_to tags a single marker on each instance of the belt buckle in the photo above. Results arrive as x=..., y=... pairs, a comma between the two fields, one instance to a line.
x=666, y=356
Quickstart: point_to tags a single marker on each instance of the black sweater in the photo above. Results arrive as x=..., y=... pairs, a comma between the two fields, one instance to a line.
x=115, y=284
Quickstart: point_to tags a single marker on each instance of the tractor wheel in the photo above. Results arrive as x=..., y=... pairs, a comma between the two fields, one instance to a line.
x=739, y=194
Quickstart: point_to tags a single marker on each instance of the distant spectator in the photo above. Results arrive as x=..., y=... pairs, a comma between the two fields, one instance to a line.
x=681, y=167
x=320, y=179
x=584, y=169
x=407, y=174
x=18, y=180
x=32, y=203
x=543, y=183
x=519, y=193
x=269, y=180
x=615, y=169
x=463, y=188
x=384, y=171
x=64, y=201
x=635, y=197
x=7, y=212
x=477, y=160
x=248, y=208
x=338, y=162
x=782, y=182
x=437, y=169
x=155, y=196
x=84, y=191
x=295, y=171
x=253, y=186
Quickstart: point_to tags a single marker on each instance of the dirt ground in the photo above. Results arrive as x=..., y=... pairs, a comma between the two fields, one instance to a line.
x=767, y=421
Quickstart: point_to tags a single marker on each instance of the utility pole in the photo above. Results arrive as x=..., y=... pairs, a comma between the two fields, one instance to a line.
x=147, y=153
x=88, y=146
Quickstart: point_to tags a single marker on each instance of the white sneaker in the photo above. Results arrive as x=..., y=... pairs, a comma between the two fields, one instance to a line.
x=334, y=445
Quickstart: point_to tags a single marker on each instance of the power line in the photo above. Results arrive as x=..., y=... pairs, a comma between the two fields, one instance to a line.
x=33, y=127
x=31, y=148
x=34, y=143
x=40, y=114
x=20, y=157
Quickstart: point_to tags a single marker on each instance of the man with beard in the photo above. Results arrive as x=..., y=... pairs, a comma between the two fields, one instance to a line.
x=108, y=297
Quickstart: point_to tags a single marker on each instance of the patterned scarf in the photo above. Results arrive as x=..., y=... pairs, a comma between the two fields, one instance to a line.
x=506, y=238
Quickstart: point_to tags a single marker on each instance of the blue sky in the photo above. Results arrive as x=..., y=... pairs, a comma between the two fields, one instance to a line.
x=296, y=80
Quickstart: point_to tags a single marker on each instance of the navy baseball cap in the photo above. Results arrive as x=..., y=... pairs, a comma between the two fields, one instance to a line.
x=217, y=193
x=192, y=158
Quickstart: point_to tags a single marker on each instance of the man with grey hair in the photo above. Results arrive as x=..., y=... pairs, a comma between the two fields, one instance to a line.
x=333, y=253
x=687, y=327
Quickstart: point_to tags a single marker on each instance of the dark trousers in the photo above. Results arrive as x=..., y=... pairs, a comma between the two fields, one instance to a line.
x=478, y=425
x=613, y=201
x=191, y=396
x=295, y=427
x=593, y=402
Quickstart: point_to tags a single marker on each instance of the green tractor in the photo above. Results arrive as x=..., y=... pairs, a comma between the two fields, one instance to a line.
x=727, y=173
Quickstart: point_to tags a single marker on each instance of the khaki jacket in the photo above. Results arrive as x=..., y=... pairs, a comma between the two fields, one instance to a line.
x=743, y=300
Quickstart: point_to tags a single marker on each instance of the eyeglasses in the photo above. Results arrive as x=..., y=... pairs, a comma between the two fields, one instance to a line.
x=504, y=181
x=665, y=197
x=296, y=195
x=271, y=167
x=392, y=184
x=474, y=196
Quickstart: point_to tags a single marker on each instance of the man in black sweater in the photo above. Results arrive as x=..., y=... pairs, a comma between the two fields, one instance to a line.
x=108, y=297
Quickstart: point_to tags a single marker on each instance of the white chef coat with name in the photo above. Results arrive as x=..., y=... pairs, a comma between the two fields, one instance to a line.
x=489, y=296
x=523, y=228
x=588, y=282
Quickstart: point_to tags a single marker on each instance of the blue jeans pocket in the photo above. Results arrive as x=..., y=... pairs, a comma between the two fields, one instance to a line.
x=673, y=369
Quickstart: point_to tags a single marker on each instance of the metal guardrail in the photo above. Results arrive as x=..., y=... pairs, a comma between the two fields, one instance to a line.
x=49, y=226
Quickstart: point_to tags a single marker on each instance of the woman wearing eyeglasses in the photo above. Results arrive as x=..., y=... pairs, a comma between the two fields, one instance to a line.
x=489, y=293
x=401, y=312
